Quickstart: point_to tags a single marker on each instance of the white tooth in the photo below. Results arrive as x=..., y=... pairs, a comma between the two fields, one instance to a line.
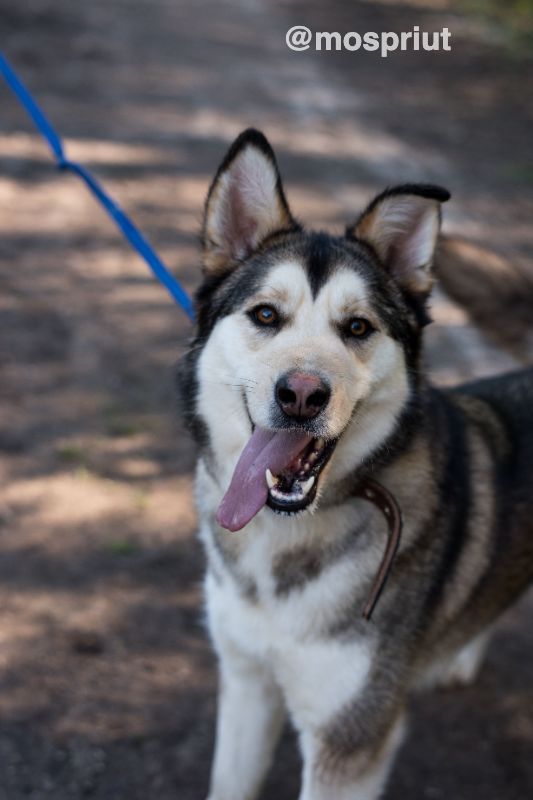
x=319, y=444
x=270, y=479
x=307, y=485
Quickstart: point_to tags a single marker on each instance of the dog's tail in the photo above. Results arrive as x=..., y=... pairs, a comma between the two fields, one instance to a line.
x=497, y=293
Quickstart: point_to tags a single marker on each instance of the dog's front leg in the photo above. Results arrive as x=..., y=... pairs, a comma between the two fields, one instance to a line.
x=346, y=770
x=250, y=717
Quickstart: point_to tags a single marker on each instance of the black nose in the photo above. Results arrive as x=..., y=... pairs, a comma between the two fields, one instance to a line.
x=302, y=394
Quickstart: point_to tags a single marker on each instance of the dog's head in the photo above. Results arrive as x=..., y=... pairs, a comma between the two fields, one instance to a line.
x=307, y=344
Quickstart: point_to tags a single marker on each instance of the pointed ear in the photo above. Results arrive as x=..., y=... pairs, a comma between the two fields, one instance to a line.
x=245, y=203
x=402, y=225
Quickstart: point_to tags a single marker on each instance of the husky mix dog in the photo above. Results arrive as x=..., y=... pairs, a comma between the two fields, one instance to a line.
x=303, y=381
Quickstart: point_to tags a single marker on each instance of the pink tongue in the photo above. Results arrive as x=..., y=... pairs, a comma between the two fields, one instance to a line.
x=248, y=491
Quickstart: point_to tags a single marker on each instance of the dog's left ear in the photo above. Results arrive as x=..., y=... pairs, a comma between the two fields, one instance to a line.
x=402, y=225
x=245, y=204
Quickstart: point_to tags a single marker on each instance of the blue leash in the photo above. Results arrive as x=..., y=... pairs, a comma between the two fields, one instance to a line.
x=131, y=233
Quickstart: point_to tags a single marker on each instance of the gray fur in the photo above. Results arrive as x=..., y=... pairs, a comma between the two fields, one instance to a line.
x=458, y=462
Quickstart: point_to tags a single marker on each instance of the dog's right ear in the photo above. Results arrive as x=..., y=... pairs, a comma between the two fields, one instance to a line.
x=245, y=204
x=401, y=225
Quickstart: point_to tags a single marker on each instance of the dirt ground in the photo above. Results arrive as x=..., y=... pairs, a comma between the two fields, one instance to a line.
x=107, y=682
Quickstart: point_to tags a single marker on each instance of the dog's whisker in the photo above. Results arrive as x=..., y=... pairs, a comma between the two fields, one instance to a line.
x=232, y=385
x=350, y=422
x=240, y=378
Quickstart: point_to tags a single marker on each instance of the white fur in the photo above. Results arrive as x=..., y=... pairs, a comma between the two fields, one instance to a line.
x=461, y=669
x=239, y=359
x=274, y=647
x=407, y=227
x=250, y=716
x=318, y=786
x=245, y=206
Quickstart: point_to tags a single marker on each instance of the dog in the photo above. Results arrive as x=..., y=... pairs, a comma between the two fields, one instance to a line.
x=303, y=382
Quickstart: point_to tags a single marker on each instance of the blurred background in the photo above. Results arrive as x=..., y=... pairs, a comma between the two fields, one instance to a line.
x=107, y=682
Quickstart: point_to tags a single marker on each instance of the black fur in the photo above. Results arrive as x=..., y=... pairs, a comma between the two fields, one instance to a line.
x=428, y=190
x=319, y=259
x=453, y=487
x=254, y=138
x=221, y=294
x=463, y=558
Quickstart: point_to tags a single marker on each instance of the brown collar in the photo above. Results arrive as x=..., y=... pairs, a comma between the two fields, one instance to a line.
x=375, y=493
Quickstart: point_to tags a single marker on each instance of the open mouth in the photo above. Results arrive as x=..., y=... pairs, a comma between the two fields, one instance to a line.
x=294, y=488
x=278, y=468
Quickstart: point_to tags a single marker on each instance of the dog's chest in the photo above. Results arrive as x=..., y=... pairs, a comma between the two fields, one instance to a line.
x=289, y=581
x=287, y=622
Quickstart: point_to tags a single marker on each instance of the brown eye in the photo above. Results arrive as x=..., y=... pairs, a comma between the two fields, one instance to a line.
x=359, y=327
x=265, y=315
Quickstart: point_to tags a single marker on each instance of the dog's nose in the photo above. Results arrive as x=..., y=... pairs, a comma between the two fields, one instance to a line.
x=302, y=394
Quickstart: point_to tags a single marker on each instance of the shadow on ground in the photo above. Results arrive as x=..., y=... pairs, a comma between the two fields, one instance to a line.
x=107, y=682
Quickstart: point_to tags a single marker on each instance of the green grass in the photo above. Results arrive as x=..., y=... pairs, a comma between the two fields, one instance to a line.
x=514, y=17
x=122, y=547
x=71, y=454
x=121, y=427
x=522, y=173
x=118, y=421
x=140, y=499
